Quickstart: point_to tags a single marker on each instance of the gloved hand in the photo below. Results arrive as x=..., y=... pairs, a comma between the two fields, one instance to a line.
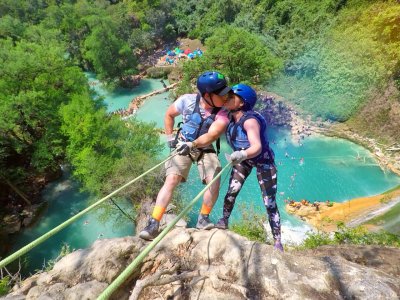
x=171, y=141
x=238, y=156
x=184, y=148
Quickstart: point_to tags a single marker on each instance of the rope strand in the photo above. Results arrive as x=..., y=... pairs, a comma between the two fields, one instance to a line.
x=52, y=232
x=106, y=294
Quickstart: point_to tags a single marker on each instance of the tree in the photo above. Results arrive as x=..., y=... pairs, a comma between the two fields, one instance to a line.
x=242, y=57
x=103, y=150
x=110, y=57
x=35, y=80
x=11, y=27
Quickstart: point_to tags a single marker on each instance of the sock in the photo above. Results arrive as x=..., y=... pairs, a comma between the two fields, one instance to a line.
x=205, y=209
x=158, y=212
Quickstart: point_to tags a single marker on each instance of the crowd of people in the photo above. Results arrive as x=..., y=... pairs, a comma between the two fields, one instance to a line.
x=172, y=57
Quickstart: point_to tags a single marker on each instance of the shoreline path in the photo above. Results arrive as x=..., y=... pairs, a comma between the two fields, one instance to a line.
x=353, y=212
x=137, y=102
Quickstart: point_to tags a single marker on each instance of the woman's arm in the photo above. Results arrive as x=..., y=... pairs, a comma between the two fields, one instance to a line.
x=252, y=128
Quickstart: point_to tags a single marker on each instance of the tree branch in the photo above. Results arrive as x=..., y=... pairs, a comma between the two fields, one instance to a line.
x=155, y=280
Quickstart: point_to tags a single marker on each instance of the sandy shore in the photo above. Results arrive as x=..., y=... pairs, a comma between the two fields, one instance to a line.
x=353, y=212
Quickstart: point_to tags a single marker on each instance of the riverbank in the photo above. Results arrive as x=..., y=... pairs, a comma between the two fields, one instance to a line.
x=301, y=125
x=326, y=215
x=388, y=160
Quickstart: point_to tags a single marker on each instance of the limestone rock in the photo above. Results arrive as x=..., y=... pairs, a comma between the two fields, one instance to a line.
x=218, y=264
x=11, y=223
x=131, y=81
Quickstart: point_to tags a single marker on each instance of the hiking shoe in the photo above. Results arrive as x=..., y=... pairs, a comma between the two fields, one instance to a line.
x=203, y=222
x=222, y=223
x=150, y=231
x=278, y=246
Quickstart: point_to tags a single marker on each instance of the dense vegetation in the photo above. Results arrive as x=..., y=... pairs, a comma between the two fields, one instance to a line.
x=48, y=115
x=341, y=58
x=336, y=59
x=353, y=236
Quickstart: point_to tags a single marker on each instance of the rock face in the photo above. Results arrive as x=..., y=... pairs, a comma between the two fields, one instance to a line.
x=131, y=81
x=217, y=264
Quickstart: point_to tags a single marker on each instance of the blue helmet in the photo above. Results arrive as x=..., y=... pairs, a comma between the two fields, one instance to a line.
x=247, y=94
x=212, y=82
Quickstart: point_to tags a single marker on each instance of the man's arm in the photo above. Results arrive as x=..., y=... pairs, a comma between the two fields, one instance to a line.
x=169, y=118
x=217, y=128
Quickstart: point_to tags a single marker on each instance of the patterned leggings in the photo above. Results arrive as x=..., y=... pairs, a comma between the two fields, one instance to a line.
x=267, y=179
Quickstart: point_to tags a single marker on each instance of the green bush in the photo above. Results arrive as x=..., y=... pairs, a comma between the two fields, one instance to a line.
x=315, y=240
x=65, y=250
x=251, y=225
x=353, y=236
x=4, y=285
x=338, y=70
x=159, y=72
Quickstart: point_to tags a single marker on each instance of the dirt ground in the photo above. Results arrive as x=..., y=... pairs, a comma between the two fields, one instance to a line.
x=326, y=218
x=192, y=44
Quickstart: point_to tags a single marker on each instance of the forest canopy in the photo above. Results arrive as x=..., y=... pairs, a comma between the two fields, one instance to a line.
x=330, y=58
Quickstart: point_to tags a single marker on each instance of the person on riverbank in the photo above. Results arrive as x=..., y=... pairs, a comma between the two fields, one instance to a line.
x=203, y=122
x=246, y=134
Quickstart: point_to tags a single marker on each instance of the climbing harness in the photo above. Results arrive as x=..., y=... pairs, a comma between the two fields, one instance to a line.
x=52, y=232
x=196, y=126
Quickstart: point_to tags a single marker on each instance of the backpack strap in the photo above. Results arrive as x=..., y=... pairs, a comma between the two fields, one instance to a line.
x=239, y=123
x=196, y=109
x=214, y=113
x=197, y=105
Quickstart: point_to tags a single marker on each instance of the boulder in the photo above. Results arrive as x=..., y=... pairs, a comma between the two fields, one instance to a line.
x=11, y=223
x=218, y=264
x=131, y=81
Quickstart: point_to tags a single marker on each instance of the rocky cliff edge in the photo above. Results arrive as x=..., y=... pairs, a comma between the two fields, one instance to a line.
x=217, y=264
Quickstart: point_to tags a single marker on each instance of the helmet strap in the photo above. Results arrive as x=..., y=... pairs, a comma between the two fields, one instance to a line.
x=212, y=102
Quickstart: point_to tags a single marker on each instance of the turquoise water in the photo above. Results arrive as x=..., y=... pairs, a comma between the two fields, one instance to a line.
x=120, y=97
x=329, y=170
x=320, y=169
x=65, y=200
x=153, y=109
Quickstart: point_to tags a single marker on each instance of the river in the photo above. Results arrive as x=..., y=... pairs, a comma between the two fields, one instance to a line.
x=323, y=168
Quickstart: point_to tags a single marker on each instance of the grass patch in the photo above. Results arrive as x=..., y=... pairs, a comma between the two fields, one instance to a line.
x=353, y=236
x=4, y=285
x=65, y=250
x=392, y=190
x=389, y=220
x=251, y=225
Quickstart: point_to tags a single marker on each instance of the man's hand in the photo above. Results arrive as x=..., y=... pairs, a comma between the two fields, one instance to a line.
x=171, y=141
x=184, y=148
x=238, y=156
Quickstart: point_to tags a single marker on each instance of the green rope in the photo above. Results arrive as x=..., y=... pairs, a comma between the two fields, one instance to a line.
x=47, y=235
x=106, y=294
